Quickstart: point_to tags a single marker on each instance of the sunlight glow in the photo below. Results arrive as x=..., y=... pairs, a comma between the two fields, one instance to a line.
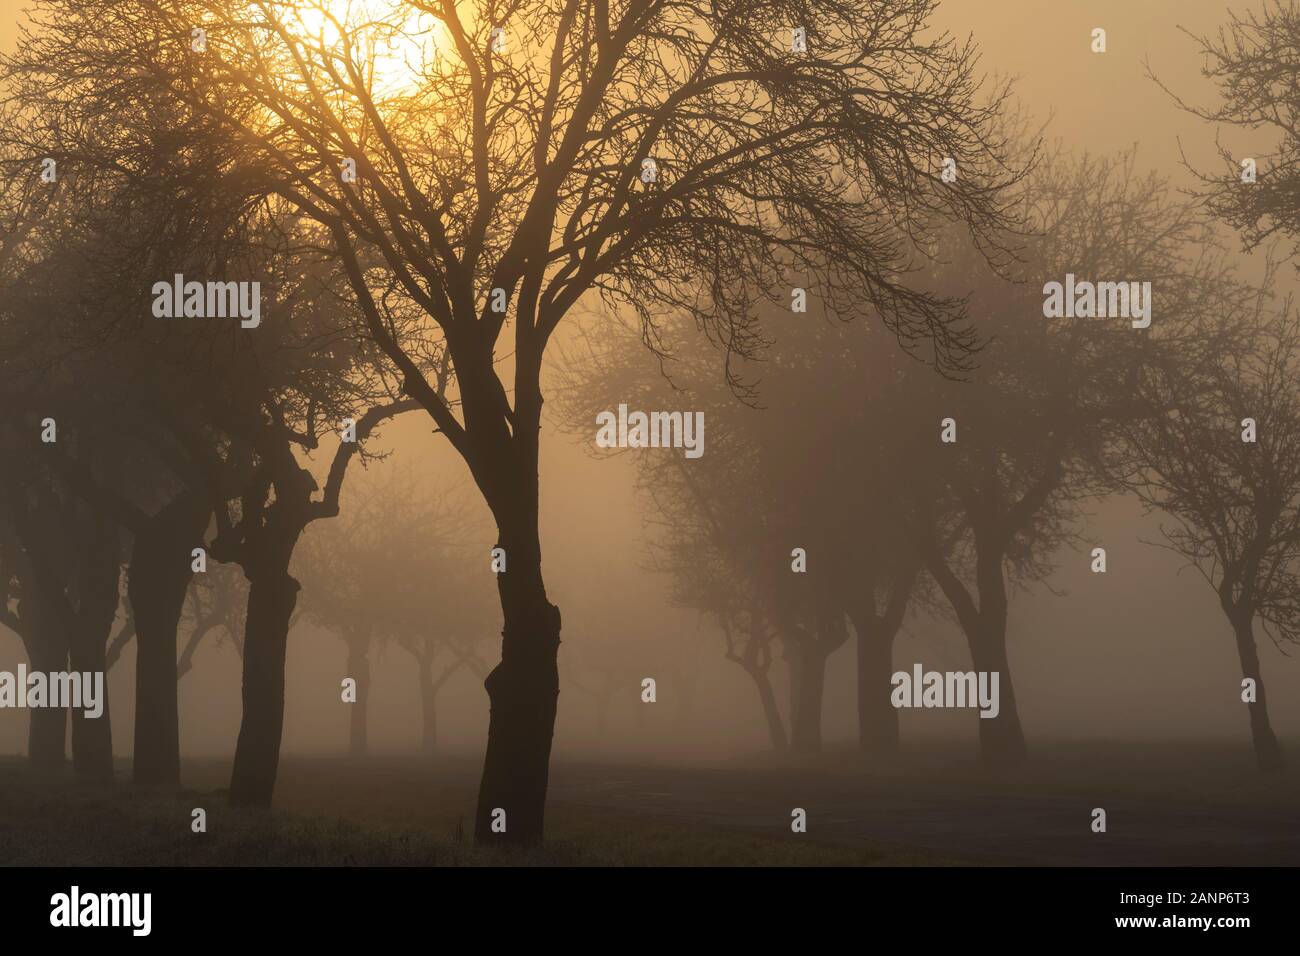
x=402, y=43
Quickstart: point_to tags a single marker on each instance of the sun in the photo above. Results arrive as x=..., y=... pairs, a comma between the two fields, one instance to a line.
x=400, y=43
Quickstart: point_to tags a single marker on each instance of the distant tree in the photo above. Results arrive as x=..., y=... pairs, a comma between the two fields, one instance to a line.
x=607, y=676
x=612, y=667
x=809, y=470
x=400, y=568
x=704, y=577
x=1031, y=425
x=437, y=661
x=1252, y=61
x=1219, y=454
x=215, y=605
x=704, y=525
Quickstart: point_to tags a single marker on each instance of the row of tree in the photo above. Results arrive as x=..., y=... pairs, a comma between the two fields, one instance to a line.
x=420, y=229
x=400, y=569
x=389, y=219
x=868, y=488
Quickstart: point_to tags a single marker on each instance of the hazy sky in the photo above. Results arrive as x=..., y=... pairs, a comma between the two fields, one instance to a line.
x=1139, y=652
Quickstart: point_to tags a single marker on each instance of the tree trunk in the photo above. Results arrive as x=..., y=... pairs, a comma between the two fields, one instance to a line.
x=359, y=670
x=808, y=676
x=428, y=706
x=523, y=691
x=1002, y=741
x=92, y=738
x=807, y=689
x=272, y=595
x=767, y=698
x=877, y=719
x=159, y=576
x=47, y=730
x=1268, y=754
x=756, y=660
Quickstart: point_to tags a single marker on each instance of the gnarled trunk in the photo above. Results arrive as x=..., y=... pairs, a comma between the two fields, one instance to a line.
x=272, y=595
x=159, y=576
x=1002, y=741
x=523, y=691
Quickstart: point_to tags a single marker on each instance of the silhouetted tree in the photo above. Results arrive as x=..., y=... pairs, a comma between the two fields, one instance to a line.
x=1251, y=60
x=212, y=414
x=812, y=470
x=1033, y=421
x=66, y=561
x=1219, y=454
x=674, y=157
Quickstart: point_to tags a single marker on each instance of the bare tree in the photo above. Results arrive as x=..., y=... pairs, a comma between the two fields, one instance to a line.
x=671, y=156
x=65, y=561
x=1030, y=427
x=212, y=417
x=810, y=470
x=1219, y=454
x=399, y=569
x=1251, y=60
x=215, y=604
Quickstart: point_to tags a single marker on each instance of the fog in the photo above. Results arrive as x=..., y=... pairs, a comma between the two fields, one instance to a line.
x=1140, y=653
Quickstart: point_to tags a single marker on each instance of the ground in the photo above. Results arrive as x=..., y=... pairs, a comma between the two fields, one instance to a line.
x=1191, y=803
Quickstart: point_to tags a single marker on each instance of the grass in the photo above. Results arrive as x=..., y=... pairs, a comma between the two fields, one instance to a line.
x=332, y=816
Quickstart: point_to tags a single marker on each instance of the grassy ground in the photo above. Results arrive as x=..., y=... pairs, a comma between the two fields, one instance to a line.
x=1187, y=803
x=333, y=812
